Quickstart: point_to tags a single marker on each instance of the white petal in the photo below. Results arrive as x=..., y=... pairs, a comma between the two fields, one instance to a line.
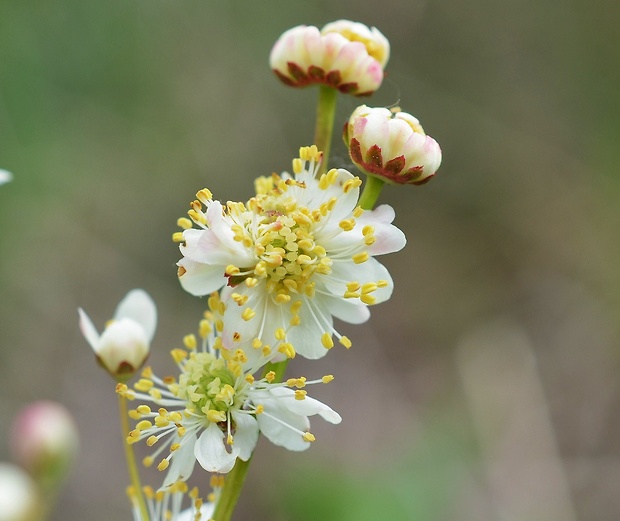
x=211, y=452
x=277, y=432
x=246, y=434
x=201, y=279
x=182, y=462
x=139, y=306
x=352, y=311
x=306, y=407
x=88, y=330
x=306, y=337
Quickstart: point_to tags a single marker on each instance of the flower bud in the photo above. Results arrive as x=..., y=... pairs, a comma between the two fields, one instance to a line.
x=124, y=345
x=391, y=145
x=5, y=176
x=345, y=55
x=44, y=441
x=18, y=495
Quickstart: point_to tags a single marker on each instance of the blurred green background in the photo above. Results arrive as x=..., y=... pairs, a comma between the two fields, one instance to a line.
x=486, y=389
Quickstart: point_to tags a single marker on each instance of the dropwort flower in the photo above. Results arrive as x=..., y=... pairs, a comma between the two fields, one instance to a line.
x=123, y=346
x=214, y=411
x=297, y=254
x=344, y=55
x=167, y=505
x=391, y=145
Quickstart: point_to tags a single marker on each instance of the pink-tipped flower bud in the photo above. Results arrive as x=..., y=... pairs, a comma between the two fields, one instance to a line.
x=347, y=56
x=124, y=345
x=18, y=495
x=391, y=145
x=44, y=441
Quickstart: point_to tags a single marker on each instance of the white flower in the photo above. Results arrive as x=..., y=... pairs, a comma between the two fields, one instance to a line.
x=215, y=410
x=19, y=499
x=292, y=258
x=5, y=176
x=167, y=505
x=345, y=55
x=391, y=145
x=123, y=346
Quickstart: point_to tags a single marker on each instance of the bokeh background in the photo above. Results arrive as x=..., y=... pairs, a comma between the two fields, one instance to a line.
x=486, y=389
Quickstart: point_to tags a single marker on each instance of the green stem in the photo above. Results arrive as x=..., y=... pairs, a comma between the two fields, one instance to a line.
x=131, y=458
x=325, y=112
x=371, y=192
x=231, y=491
x=236, y=477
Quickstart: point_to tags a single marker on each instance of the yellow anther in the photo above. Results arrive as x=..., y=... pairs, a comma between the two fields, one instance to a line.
x=143, y=385
x=287, y=349
x=382, y=283
x=270, y=376
x=248, y=313
x=219, y=325
x=152, y=440
x=189, y=341
x=369, y=287
x=155, y=393
x=298, y=165
x=134, y=415
x=231, y=270
x=181, y=271
x=121, y=389
x=178, y=237
x=296, y=306
x=161, y=421
x=361, y=257
x=148, y=461
x=240, y=356
x=260, y=409
x=204, y=328
x=236, y=336
x=308, y=436
x=345, y=342
x=143, y=425
x=266, y=350
x=309, y=290
x=368, y=230
x=347, y=224
x=326, y=340
x=351, y=294
x=181, y=431
x=295, y=320
x=147, y=372
x=163, y=465
x=204, y=196
x=282, y=298
x=353, y=285
x=349, y=184
x=257, y=343
x=368, y=299
x=280, y=334
x=370, y=240
x=216, y=416
x=178, y=355
x=249, y=378
x=175, y=446
x=230, y=440
x=327, y=378
x=143, y=409
x=300, y=394
x=358, y=212
x=239, y=299
x=176, y=417
x=184, y=223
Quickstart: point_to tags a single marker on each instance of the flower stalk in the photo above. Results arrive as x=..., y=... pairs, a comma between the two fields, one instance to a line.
x=130, y=457
x=231, y=491
x=371, y=192
x=325, y=113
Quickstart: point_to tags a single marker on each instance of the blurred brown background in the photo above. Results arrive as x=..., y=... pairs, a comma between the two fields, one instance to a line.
x=486, y=389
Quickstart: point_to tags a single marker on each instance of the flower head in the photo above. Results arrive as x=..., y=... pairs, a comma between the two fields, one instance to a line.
x=167, y=505
x=214, y=410
x=391, y=145
x=123, y=346
x=5, y=176
x=345, y=55
x=44, y=441
x=294, y=256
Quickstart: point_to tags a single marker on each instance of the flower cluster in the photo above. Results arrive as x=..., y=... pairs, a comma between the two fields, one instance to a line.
x=214, y=411
x=276, y=272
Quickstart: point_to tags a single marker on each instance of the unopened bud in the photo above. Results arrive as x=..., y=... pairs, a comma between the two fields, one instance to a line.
x=18, y=495
x=391, y=145
x=124, y=345
x=44, y=442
